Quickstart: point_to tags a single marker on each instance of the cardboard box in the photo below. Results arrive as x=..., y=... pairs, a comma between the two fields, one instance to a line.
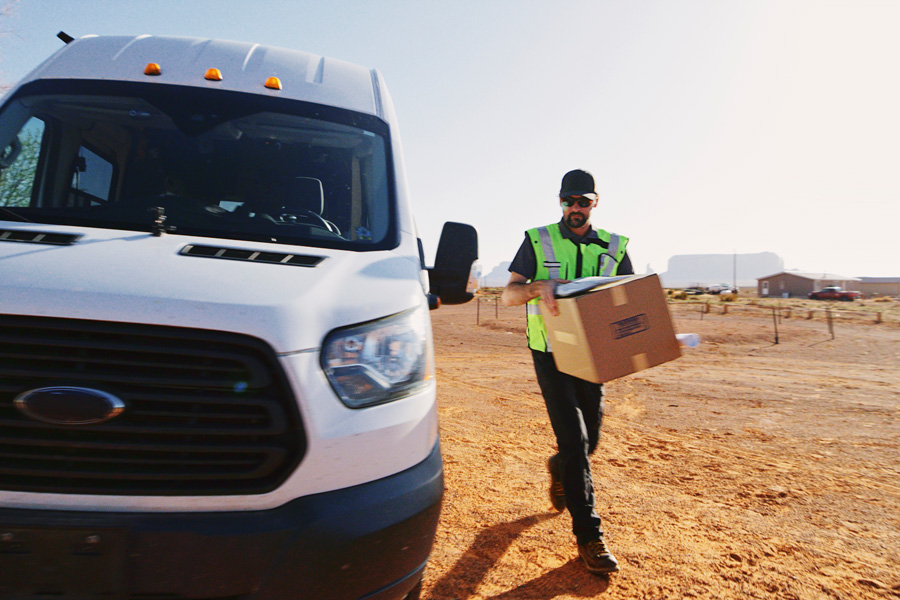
x=612, y=330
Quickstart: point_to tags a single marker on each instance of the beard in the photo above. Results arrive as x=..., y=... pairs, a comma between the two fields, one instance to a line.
x=575, y=220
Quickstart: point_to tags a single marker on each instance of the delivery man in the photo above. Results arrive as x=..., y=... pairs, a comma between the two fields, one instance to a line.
x=550, y=255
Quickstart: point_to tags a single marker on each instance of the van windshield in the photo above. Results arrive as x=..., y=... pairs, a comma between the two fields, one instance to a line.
x=196, y=162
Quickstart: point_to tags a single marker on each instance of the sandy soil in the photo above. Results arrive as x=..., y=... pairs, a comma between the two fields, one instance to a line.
x=745, y=469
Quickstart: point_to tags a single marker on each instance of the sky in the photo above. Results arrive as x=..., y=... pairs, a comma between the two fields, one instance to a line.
x=710, y=126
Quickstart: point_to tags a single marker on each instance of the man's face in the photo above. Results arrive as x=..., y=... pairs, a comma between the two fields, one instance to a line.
x=576, y=216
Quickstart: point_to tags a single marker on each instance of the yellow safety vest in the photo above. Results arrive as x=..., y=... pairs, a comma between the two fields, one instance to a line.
x=557, y=258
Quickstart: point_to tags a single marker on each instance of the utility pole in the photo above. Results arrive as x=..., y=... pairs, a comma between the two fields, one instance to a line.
x=734, y=272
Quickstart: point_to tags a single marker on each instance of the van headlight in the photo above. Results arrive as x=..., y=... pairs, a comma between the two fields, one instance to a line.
x=382, y=360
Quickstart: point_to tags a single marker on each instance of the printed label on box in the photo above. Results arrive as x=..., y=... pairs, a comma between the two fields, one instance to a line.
x=629, y=326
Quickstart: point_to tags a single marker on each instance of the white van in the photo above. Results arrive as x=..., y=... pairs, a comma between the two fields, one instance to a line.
x=216, y=367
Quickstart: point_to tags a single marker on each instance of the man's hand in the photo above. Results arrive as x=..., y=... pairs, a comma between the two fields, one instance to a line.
x=546, y=291
x=518, y=291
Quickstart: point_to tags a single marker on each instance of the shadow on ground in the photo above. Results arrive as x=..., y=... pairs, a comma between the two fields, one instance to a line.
x=489, y=545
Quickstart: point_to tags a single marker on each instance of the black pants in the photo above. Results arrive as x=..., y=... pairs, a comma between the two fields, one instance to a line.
x=575, y=407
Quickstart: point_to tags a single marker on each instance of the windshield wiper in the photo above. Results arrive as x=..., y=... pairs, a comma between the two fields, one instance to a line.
x=15, y=216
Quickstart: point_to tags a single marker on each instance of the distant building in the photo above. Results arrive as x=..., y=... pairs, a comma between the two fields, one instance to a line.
x=702, y=270
x=880, y=286
x=798, y=284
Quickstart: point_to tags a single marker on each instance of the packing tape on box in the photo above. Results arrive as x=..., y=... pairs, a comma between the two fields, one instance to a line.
x=640, y=361
x=564, y=337
x=618, y=295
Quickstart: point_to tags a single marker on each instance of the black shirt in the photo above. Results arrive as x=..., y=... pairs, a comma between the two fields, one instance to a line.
x=525, y=262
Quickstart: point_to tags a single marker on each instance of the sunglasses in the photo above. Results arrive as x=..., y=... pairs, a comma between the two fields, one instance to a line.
x=582, y=201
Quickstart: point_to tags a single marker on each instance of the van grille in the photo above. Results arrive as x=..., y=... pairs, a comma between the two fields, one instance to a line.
x=206, y=412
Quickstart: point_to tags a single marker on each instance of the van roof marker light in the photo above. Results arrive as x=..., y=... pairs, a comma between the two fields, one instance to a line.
x=152, y=69
x=213, y=75
x=273, y=83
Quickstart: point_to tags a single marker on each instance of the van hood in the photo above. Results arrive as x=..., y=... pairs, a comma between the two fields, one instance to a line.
x=136, y=277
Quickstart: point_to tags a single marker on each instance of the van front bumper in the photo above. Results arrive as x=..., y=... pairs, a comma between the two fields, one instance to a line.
x=368, y=541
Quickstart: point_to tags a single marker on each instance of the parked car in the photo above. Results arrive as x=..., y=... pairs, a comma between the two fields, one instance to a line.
x=719, y=288
x=692, y=291
x=834, y=292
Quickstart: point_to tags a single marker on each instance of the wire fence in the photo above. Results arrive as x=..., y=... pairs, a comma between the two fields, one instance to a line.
x=828, y=313
x=490, y=311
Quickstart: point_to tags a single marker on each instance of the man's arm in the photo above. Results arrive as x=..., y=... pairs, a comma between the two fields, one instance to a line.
x=518, y=291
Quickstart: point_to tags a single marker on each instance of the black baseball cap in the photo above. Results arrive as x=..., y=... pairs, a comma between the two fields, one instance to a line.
x=577, y=183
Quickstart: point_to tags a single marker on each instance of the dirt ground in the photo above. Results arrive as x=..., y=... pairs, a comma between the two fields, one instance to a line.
x=745, y=469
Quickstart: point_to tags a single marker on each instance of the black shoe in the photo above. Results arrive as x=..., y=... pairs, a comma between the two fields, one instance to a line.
x=597, y=557
x=557, y=493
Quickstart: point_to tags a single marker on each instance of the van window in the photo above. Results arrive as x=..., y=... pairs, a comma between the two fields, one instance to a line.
x=92, y=178
x=216, y=164
x=19, y=164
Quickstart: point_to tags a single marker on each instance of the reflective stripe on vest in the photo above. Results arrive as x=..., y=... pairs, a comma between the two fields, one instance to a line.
x=608, y=263
x=550, y=262
x=556, y=257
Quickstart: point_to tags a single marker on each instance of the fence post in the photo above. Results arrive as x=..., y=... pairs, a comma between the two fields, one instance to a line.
x=810, y=315
x=724, y=309
x=830, y=322
x=496, y=308
x=878, y=317
x=775, y=322
x=478, y=311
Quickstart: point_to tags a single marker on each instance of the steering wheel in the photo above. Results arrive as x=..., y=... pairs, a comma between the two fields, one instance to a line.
x=298, y=215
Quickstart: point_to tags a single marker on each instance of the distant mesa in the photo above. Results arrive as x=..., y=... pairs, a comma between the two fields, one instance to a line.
x=688, y=270
x=498, y=277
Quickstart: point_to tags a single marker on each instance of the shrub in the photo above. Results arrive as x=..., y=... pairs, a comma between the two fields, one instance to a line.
x=679, y=295
x=727, y=297
x=883, y=299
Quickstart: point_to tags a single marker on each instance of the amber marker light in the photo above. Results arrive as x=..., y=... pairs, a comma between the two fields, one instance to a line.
x=152, y=69
x=213, y=75
x=273, y=83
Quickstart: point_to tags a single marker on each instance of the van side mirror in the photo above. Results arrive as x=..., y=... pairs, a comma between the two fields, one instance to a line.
x=454, y=276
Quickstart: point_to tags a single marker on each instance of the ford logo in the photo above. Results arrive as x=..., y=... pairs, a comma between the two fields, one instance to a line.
x=69, y=405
